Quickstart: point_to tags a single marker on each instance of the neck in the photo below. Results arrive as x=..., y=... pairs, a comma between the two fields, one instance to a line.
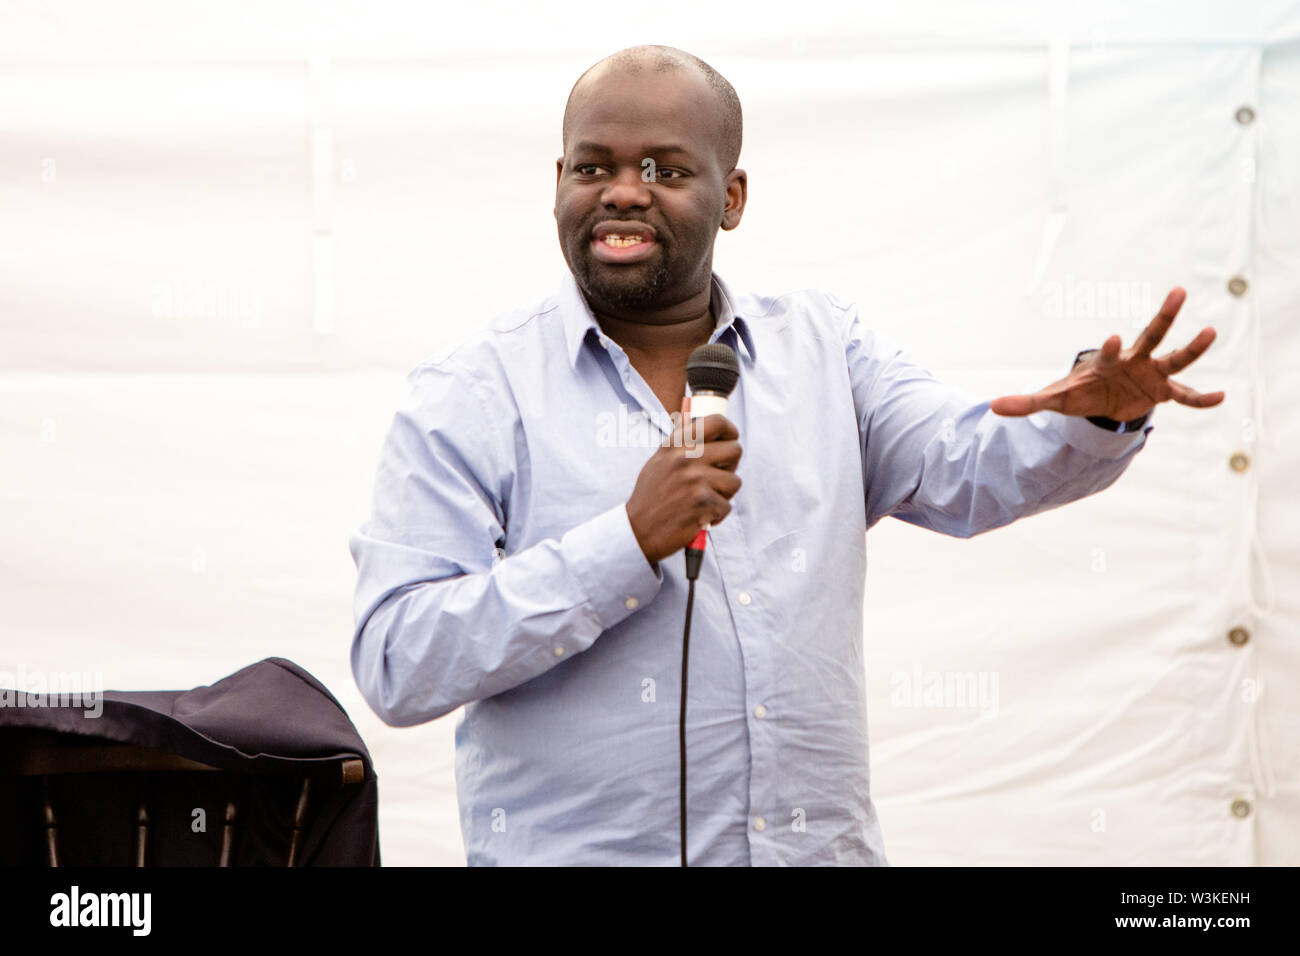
x=682, y=335
x=678, y=328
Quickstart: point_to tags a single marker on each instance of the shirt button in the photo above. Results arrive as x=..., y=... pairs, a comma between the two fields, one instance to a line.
x=559, y=650
x=1245, y=116
x=743, y=597
x=760, y=711
x=631, y=604
x=1238, y=636
x=1237, y=285
x=760, y=824
x=1240, y=807
x=1239, y=461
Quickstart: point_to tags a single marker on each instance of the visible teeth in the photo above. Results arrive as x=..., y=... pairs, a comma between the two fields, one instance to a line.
x=619, y=241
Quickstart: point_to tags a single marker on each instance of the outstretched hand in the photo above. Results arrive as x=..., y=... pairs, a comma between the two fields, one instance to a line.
x=1123, y=384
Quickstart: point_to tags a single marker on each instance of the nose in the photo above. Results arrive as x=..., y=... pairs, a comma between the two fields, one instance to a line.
x=626, y=191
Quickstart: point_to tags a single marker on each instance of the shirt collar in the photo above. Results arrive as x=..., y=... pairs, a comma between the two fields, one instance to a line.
x=580, y=323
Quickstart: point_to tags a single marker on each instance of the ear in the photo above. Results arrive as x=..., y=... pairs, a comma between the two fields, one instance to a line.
x=737, y=187
x=559, y=168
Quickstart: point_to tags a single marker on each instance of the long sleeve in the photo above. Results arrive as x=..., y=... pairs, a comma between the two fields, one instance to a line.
x=439, y=620
x=935, y=457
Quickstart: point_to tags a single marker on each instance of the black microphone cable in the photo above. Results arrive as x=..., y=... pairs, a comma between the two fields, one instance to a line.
x=693, y=557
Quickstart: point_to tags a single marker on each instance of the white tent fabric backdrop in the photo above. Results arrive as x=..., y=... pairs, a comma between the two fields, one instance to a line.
x=229, y=229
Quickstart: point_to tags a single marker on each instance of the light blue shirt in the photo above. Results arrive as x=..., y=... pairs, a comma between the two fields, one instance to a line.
x=499, y=571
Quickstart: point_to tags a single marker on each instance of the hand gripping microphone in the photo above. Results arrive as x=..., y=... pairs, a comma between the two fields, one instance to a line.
x=711, y=372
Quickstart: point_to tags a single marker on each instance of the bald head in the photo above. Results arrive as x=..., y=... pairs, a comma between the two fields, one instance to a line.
x=666, y=60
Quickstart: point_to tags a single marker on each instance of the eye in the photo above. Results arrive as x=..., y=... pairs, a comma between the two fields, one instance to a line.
x=676, y=173
x=579, y=169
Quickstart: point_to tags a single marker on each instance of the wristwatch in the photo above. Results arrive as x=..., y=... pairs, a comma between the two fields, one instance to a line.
x=1102, y=421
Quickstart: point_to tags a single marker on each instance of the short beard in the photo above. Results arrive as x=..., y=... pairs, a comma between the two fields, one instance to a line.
x=622, y=296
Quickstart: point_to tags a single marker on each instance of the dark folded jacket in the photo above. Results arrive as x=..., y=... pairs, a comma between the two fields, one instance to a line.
x=261, y=766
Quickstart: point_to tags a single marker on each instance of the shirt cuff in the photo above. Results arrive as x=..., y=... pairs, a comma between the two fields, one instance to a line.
x=1082, y=434
x=611, y=567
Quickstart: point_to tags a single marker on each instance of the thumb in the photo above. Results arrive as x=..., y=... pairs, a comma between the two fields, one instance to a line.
x=1014, y=405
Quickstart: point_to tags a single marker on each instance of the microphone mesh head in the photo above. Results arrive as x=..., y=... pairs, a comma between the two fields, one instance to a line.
x=712, y=368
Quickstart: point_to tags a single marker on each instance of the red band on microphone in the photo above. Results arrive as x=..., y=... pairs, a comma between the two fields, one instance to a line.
x=700, y=540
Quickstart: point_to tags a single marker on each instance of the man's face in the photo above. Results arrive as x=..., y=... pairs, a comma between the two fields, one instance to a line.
x=620, y=177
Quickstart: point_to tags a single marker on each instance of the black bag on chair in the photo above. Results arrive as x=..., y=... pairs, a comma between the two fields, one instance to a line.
x=262, y=768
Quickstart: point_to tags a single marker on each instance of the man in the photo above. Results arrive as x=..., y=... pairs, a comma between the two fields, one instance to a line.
x=534, y=496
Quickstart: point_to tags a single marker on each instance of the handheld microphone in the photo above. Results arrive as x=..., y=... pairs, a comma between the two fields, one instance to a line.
x=711, y=372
